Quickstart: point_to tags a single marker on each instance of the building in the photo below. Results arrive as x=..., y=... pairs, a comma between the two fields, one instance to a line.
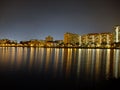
x=49, y=41
x=71, y=39
x=116, y=34
x=116, y=37
x=97, y=40
x=84, y=40
x=93, y=40
x=49, y=38
x=106, y=39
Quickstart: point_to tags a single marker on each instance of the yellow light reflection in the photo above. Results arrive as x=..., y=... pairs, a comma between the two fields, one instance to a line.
x=97, y=63
x=88, y=61
x=62, y=60
x=92, y=62
x=79, y=63
x=69, y=60
x=107, y=63
x=56, y=59
x=32, y=51
x=19, y=57
x=12, y=56
x=48, y=58
x=25, y=53
x=41, y=58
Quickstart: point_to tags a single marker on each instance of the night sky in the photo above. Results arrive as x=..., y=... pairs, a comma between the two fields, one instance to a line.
x=36, y=19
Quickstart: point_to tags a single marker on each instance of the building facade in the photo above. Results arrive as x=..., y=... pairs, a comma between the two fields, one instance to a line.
x=72, y=39
x=93, y=40
x=116, y=34
x=97, y=40
x=106, y=39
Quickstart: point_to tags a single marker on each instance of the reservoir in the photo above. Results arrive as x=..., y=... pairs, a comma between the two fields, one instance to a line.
x=59, y=68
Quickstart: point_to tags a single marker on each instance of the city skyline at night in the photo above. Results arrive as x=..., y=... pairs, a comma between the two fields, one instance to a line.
x=36, y=19
x=89, y=40
x=60, y=44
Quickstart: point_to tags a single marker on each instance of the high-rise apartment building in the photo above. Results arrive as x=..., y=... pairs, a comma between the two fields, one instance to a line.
x=93, y=39
x=116, y=34
x=71, y=39
x=84, y=40
x=106, y=39
x=97, y=39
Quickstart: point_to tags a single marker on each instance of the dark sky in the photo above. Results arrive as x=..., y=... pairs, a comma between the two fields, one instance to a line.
x=36, y=19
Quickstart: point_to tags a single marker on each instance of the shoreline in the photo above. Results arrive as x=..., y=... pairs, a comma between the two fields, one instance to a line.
x=66, y=47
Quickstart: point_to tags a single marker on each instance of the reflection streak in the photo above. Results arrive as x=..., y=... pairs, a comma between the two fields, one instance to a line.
x=83, y=63
x=116, y=63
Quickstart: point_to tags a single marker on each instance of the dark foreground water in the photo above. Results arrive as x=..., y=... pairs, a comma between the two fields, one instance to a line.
x=59, y=68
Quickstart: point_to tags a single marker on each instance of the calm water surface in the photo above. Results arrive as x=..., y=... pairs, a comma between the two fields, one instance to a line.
x=56, y=68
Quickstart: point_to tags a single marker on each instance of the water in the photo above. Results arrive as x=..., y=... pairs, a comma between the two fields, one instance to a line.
x=59, y=68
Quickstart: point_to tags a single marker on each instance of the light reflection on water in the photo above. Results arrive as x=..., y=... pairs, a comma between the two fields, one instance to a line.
x=86, y=64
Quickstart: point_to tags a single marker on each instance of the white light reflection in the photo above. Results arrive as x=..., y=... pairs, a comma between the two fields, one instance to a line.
x=116, y=63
